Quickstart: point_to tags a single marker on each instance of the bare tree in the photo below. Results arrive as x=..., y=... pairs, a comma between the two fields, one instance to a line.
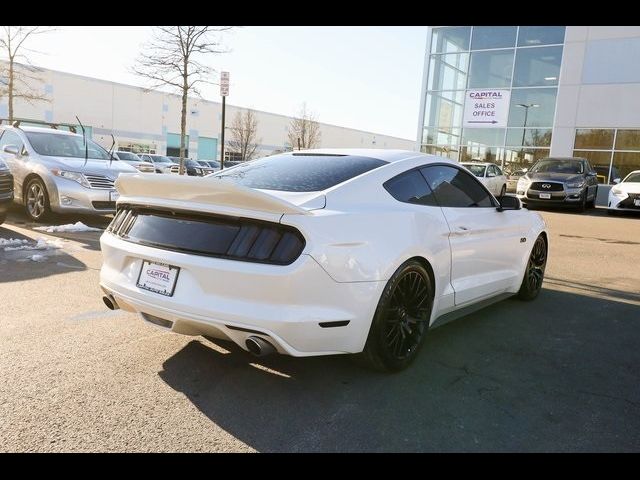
x=304, y=130
x=21, y=77
x=174, y=58
x=244, y=131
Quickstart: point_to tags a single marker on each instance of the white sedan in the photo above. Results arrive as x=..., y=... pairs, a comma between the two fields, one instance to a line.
x=625, y=196
x=489, y=175
x=319, y=252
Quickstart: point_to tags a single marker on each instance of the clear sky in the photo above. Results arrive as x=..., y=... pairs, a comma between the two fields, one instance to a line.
x=360, y=77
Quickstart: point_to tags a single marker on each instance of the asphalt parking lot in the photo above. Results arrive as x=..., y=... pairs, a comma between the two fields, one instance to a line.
x=556, y=374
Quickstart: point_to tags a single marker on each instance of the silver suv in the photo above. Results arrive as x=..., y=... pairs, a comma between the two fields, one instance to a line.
x=49, y=171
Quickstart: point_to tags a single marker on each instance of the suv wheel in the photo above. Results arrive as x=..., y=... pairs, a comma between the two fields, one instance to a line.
x=37, y=200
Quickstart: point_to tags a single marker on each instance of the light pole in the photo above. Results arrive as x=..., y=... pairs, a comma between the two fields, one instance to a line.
x=524, y=125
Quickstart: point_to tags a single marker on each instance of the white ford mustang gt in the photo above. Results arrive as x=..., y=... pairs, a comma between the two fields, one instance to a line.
x=319, y=252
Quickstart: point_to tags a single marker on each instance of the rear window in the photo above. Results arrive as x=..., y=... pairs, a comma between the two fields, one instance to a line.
x=299, y=172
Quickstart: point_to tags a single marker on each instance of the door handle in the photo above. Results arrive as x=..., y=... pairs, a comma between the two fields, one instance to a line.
x=463, y=228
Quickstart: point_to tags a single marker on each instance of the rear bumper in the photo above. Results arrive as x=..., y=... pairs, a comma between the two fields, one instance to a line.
x=225, y=298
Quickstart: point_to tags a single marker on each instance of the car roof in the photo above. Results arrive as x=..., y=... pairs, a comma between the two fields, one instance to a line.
x=25, y=128
x=386, y=155
x=563, y=158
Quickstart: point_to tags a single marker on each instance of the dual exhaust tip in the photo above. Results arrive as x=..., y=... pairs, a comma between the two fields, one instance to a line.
x=256, y=345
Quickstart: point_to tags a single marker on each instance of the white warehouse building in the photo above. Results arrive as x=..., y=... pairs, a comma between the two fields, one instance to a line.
x=149, y=121
x=514, y=94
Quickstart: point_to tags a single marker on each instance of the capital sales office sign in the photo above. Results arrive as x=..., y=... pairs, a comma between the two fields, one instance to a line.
x=486, y=108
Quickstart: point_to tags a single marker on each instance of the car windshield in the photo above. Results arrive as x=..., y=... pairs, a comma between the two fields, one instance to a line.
x=632, y=177
x=299, y=172
x=70, y=146
x=160, y=159
x=477, y=170
x=128, y=157
x=558, y=166
x=191, y=163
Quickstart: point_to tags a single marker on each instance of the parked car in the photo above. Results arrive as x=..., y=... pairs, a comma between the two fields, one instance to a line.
x=512, y=179
x=559, y=181
x=135, y=161
x=625, y=196
x=162, y=163
x=206, y=168
x=50, y=172
x=489, y=175
x=192, y=168
x=322, y=252
x=6, y=190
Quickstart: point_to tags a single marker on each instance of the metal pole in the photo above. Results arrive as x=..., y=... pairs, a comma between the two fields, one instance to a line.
x=222, y=135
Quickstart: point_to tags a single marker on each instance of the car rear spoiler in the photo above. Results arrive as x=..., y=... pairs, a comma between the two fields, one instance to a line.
x=207, y=191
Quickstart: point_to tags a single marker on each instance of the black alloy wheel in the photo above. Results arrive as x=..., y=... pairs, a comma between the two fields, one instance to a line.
x=401, y=319
x=534, y=274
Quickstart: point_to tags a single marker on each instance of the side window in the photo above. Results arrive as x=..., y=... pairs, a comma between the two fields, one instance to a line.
x=411, y=187
x=491, y=171
x=497, y=170
x=10, y=138
x=453, y=187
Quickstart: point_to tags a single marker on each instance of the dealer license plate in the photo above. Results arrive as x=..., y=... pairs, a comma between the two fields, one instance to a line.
x=636, y=202
x=158, y=277
x=113, y=196
x=546, y=196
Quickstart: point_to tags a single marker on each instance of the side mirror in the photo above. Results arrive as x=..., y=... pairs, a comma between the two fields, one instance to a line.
x=12, y=149
x=616, y=181
x=591, y=174
x=509, y=203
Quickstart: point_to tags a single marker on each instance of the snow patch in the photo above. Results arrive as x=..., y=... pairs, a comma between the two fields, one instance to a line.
x=12, y=242
x=41, y=244
x=70, y=227
x=37, y=257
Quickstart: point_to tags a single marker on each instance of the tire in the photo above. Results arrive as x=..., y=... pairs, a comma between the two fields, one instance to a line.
x=503, y=191
x=3, y=217
x=534, y=272
x=401, y=320
x=36, y=199
x=592, y=203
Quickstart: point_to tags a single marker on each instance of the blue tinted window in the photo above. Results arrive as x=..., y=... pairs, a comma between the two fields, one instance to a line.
x=493, y=37
x=546, y=35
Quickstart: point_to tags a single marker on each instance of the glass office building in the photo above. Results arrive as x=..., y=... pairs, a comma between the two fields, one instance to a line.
x=568, y=91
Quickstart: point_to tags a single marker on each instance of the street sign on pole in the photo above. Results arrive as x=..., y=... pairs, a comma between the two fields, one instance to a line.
x=224, y=92
x=224, y=84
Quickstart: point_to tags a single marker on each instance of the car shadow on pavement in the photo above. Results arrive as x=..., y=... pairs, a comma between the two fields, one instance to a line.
x=18, y=265
x=556, y=374
x=91, y=239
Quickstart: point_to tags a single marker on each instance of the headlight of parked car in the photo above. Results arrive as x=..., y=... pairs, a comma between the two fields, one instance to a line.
x=523, y=183
x=75, y=176
x=579, y=184
x=618, y=192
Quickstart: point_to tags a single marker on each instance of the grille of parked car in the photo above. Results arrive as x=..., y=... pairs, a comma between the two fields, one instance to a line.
x=99, y=181
x=6, y=182
x=629, y=202
x=146, y=168
x=104, y=205
x=174, y=168
x=547, y=186
x=219, y=236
